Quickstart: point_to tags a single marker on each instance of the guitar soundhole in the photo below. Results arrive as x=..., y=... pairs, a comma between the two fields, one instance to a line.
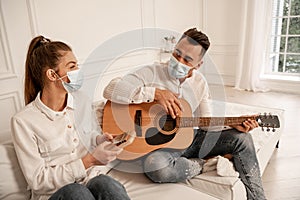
x=154, y=137
x=167, y=123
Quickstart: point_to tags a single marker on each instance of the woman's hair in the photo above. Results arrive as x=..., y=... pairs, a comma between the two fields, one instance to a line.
x=42, y=54
x=196, y=37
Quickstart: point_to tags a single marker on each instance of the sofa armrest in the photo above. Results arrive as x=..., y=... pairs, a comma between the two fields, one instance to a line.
x=12, y=182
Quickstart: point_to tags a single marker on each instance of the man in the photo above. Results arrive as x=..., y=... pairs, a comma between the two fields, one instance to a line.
x=165, y=84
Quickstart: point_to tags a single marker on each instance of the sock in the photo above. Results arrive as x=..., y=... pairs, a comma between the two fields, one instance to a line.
x=196, y=166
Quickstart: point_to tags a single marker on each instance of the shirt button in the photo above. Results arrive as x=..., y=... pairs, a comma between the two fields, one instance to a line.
x=65, y=113
x=75, y=140
x=69, y=126
x=73, y=151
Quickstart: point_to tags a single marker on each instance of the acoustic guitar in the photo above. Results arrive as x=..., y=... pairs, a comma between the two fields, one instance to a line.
x=143, y=128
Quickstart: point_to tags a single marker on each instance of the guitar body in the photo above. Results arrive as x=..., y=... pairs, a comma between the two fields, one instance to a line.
x=154, y=128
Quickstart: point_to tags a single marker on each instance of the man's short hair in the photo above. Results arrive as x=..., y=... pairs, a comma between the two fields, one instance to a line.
x=196, y=37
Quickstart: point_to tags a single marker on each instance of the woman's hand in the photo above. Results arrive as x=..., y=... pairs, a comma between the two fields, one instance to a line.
x=104, y=153
x=104, y=137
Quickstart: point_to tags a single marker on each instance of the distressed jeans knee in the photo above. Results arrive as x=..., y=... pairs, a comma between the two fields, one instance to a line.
x=169, y=167
x=241, y=146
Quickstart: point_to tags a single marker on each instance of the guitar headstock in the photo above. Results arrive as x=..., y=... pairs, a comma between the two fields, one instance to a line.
x=268, y=121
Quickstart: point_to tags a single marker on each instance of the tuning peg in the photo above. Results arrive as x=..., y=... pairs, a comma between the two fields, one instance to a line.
x=272, y=116
x=262, y=128
x=268, y=129
x=273, y=129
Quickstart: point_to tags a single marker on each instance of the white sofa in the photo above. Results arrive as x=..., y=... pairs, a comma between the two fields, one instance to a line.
x=205, y=186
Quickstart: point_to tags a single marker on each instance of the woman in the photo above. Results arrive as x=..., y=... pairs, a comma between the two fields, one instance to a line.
x=53, y=152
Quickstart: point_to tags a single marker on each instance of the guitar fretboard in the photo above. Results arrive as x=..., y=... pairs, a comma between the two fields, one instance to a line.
x=211, y=121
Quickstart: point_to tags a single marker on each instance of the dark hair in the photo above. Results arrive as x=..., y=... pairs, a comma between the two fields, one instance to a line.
x=42, y=54
x=196, y=37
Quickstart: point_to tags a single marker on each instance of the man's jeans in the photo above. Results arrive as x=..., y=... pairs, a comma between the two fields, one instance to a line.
x=167, y=166
x=98, y=188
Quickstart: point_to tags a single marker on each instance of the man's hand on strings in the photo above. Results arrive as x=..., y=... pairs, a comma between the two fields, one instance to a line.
x=169, y=101
x=246, y=126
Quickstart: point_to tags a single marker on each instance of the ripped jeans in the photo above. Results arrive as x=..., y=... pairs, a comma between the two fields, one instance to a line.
x=168, y=166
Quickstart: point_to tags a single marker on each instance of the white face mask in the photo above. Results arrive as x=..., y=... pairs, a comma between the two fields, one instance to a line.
x=177, y=69
x=76, y=80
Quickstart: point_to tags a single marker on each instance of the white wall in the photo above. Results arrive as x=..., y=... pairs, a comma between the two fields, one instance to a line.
x=223, y=25
x=87, y=24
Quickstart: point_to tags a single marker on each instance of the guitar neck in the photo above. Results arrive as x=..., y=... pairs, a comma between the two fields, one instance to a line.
x=211, y=121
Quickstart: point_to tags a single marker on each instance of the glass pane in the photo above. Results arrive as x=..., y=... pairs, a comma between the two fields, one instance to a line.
x=292, y=63
x=286, y=6
x=295, y=7
x=284, y=26
x=280, y=64
x=294, y=27
x=282, y=44
x=293, y=45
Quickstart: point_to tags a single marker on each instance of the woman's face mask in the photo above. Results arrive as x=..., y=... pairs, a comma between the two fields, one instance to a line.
x=177, y=69
x=76, y=80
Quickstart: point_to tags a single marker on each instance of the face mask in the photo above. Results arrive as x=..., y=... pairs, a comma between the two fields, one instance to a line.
x=76, y=80
x=177, y=69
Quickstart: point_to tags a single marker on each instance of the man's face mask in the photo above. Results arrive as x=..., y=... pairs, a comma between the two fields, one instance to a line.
x=177, y=69
x=76, y=80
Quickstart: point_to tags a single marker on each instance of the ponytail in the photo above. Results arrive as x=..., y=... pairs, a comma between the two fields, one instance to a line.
x=41, y=55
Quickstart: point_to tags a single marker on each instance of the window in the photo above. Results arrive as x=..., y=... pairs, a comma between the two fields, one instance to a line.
x=285, y=38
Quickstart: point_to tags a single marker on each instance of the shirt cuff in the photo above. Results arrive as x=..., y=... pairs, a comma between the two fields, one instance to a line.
x=94, y=139
x=78, y=169
x=148, y=94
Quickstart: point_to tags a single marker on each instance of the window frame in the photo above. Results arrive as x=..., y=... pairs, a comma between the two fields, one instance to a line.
x=276, y=36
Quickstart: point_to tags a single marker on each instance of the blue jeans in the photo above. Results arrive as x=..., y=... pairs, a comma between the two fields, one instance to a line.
x=98, y=188
x=167, y=166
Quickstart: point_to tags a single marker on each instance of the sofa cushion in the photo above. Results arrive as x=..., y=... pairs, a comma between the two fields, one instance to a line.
x=218, y=186
x=139, y=187
x=210, y=183
x=12, y=182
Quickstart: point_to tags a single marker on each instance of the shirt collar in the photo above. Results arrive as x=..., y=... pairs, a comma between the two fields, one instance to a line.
x=51, y=114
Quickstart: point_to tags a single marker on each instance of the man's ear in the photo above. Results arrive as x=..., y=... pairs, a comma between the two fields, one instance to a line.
x=199, y=64
x=50, y=74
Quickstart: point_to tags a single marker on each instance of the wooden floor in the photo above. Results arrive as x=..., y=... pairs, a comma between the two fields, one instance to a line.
x=281, y=178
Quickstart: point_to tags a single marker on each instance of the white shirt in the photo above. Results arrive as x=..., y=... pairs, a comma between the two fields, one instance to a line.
x=139, y=86
x=50, y=144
